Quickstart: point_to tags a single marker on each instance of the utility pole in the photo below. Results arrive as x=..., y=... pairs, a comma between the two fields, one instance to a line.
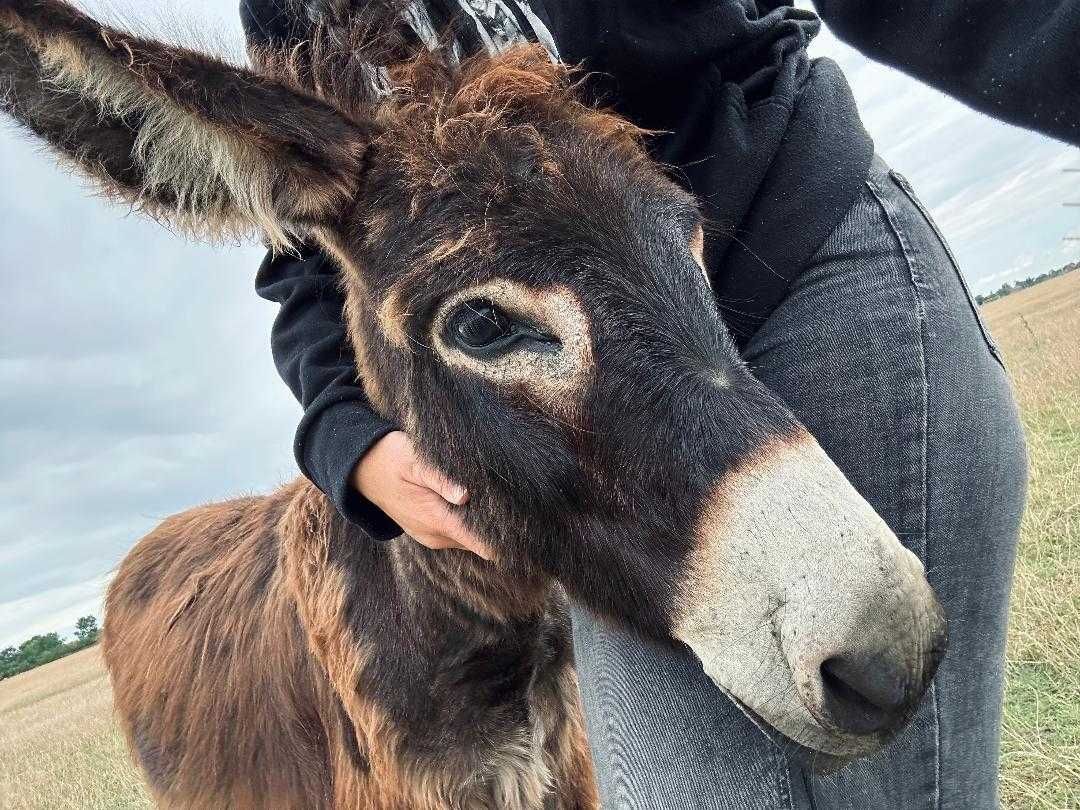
x=1070, y=204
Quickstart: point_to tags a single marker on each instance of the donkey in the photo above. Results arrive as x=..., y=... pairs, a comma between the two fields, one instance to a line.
x=527, y=296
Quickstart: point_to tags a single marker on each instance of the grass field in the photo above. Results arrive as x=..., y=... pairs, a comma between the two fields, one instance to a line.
x=1039, y=331
x=59, y=749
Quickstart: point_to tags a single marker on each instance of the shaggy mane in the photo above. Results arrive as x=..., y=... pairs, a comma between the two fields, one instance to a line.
x=431, y=100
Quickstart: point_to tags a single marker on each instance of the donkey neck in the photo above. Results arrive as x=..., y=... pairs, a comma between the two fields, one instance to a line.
x=461, y=583
x=468, y=661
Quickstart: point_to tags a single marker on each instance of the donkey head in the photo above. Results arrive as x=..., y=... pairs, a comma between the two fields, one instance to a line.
x=527, y=296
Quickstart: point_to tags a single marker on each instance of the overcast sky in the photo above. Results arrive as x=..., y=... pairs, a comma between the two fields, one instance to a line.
x=135, y=373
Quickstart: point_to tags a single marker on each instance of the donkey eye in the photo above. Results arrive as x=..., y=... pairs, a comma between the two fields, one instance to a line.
x=477, y=325
x=483, y=330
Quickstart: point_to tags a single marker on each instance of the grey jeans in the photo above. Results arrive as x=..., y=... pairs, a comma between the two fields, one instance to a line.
x=879, y=350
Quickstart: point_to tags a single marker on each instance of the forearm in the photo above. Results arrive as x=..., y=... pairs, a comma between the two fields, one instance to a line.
x=313, y=356
x=1015, y=61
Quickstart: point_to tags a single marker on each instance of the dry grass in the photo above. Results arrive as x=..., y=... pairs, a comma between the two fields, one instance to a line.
x=59, y=748
x=1039, y=331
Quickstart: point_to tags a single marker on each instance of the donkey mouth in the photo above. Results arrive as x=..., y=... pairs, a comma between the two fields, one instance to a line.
x=813, y=760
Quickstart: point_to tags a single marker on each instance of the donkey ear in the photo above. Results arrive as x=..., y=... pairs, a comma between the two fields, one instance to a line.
x=213, y=148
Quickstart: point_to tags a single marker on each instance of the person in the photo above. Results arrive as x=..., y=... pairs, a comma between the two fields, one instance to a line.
x=845, y=300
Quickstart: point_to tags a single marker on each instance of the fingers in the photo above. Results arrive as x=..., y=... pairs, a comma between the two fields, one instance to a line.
x=449, y=530
x=416, y=496
x=441, y=542
x=435, y=525
x=434, y=480
x=436, y=542
x=477, y=547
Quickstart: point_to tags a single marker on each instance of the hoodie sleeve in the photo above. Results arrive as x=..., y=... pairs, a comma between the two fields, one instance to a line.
x=312, y=354
x=309, y=340
x=1017, y=61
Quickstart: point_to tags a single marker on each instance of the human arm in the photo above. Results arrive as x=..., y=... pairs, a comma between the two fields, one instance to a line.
x=1015, y=61
x=368, y=468
x=312, y=354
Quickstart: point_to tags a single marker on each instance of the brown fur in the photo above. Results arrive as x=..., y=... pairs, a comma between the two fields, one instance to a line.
x=212, y=165
x=240, y=673
x=236, y=610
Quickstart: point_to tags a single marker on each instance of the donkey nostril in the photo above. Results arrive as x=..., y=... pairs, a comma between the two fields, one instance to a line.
x=863, y=695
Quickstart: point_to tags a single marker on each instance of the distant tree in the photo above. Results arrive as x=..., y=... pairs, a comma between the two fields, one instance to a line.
x=42, y=649
x=1023, y=284
x=38, y=649
x=10, y=658
x=86, y=630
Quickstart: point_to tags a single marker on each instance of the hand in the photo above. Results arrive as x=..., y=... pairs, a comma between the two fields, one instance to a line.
x=415, y=496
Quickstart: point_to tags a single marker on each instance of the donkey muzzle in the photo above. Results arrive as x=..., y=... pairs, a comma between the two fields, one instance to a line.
x=873, y=685
x=804, y=606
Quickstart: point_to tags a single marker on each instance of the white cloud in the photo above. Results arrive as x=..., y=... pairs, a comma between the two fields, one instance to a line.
x=1035, y=185
x=51, y=610
x=135, y=378
x=995, y=190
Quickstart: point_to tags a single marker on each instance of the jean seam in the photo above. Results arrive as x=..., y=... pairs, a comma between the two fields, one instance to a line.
x=909, y=192
x=780, y=763
x=917, y=285
x=811, y=800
